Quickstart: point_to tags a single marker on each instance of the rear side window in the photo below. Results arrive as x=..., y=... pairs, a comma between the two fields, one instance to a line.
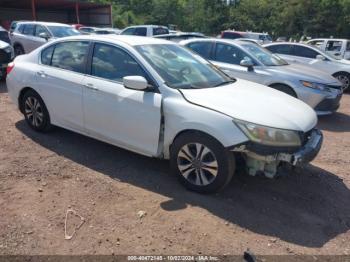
x=201, y=48
x=46, y=55
x=280, y=49
x=348, y=46
x=28, y=29
x=129, y=31
x=141, y=31
x=231, y=35
x=303, y=51
x=160, y=31
x=113, y=63
x=71, y=56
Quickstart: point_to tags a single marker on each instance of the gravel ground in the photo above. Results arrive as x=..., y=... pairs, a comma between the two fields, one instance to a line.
x=42, y=175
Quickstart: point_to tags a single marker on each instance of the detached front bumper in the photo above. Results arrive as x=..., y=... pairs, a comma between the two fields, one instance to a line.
x=307, y=153
x=268, y=159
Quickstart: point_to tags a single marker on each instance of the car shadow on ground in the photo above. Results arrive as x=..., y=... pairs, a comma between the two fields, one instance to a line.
x=3, y=88
x=308, y=208
x=337, y=122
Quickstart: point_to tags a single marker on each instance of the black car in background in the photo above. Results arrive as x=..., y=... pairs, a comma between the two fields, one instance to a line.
x=6, y=52
x=4, y=35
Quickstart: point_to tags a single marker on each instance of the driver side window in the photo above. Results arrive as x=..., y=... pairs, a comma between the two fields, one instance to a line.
x=112, y=63
x=229, y=54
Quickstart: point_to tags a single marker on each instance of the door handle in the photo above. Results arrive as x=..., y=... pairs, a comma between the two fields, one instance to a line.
x=41, y=74
x=91, y=86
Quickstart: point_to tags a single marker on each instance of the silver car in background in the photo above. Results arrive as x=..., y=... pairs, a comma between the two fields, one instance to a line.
x=28, y=36
x=315, y=58
x=252, y=62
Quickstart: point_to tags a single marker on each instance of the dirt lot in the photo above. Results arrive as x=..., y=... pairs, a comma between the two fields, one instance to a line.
x=42, y=175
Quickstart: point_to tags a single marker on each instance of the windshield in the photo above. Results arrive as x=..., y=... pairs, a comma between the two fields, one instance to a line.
x=181, y=68
x=264, y=55
x=63, y=31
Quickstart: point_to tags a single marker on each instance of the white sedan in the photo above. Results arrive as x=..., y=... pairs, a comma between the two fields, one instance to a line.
x=158, y=99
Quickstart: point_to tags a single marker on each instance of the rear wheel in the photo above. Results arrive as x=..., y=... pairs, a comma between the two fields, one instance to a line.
x=285, y=89
x=35, y=112
x=344, y=78
x=201, y=163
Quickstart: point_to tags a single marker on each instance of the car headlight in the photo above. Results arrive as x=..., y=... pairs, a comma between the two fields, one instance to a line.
x=313, y=85
x=268, y=135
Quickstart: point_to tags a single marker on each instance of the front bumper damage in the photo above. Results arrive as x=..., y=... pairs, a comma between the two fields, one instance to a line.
x=268, y=160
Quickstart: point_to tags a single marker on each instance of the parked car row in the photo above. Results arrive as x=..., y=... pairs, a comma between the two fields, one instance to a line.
x=252, y=62
x=161, y=98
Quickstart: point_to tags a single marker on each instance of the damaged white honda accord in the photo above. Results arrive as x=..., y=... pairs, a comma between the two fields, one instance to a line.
x=158, y=99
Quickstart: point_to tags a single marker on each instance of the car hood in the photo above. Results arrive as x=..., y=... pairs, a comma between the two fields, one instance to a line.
x=255, y=103
x=305, y=73
x=3, y=44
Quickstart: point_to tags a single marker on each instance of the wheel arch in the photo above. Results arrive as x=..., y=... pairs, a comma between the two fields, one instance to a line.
x=272, y=85
x=21, y=95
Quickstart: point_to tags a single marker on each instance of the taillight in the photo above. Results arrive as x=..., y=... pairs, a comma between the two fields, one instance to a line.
x=9, y=68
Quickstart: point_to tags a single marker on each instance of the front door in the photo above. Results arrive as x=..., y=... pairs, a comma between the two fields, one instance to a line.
x=118, y=115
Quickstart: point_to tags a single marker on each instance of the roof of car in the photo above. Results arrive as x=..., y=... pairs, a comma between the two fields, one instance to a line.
x=332, y=39
x=42, y=23
x=162, y=26
x=127, y=39
x=221, y=40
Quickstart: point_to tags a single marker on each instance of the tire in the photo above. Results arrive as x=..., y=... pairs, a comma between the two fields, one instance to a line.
x=35, y=112
x=206, y=172
x=285, y=89
x=344, y=78
x=18, y=49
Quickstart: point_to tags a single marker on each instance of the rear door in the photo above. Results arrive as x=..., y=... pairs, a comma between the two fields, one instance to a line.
x=59, y=79
x=115, y=114
x=27, y=38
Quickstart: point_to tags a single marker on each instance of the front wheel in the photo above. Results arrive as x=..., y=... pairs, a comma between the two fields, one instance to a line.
x=201, y=163
x=344, y=78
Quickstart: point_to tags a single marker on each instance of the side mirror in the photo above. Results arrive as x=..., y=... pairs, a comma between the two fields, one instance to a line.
x=135, y=82
x=247, y=63
x=44, y=35
x=320, y=57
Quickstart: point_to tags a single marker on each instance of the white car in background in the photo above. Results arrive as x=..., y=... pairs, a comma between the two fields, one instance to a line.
x=158, y=99
x=336, y=47
x=250, y=61
x=315, y=58
x=145, y=30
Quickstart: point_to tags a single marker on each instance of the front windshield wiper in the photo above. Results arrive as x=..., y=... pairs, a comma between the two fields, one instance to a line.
x=225, y=82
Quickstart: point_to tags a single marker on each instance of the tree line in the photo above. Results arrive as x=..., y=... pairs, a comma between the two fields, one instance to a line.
x=289, y=18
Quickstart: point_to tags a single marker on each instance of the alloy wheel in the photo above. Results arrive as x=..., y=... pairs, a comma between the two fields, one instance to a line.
x=344, y=80
x=33, y=111
x=197, y=164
